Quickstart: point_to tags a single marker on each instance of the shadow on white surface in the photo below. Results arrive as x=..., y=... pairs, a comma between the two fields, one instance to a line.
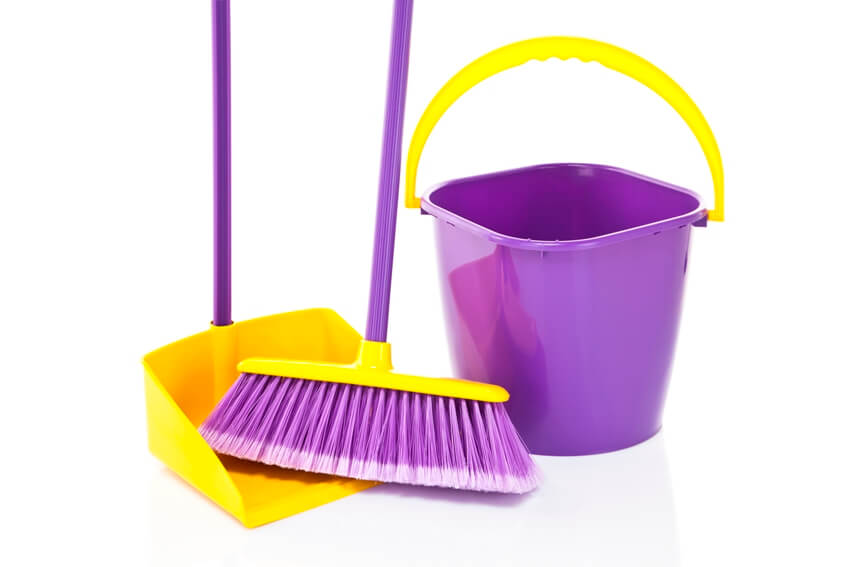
x=603, y=510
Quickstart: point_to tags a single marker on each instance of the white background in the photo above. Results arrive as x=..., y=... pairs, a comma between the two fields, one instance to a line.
x=105, y=172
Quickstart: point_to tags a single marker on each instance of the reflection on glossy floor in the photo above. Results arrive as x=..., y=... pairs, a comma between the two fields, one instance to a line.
x=611, y=509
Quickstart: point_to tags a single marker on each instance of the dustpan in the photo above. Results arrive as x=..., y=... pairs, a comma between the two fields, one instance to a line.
x=180, y=391
x=185, y=379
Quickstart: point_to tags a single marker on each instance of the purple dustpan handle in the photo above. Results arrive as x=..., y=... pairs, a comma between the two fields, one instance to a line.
x=382, y=253
x=221, y=162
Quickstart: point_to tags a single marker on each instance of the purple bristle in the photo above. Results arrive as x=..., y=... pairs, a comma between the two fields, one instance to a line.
x=371, y=434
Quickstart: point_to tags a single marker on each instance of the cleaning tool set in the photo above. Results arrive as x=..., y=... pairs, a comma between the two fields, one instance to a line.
x=562, y=283
x=361, y=419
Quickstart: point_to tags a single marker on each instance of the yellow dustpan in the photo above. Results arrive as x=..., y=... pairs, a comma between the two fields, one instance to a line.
x=185, y=379
x=181, y=383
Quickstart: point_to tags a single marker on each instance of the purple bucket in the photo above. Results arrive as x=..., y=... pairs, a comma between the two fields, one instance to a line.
x=563, y=283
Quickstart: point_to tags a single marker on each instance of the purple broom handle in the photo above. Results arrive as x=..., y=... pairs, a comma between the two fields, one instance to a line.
x=221, y=162
x=385, y=221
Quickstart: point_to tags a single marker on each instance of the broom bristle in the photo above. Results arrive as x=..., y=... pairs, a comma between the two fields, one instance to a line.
x=371, y=434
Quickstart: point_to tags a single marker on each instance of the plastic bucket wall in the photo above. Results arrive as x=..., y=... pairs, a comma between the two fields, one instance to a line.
x=563, y=283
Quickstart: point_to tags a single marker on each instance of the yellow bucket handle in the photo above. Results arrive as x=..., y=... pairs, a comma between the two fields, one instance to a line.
x=543, y=48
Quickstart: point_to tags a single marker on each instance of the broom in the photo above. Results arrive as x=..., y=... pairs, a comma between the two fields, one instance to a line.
x=363, y=420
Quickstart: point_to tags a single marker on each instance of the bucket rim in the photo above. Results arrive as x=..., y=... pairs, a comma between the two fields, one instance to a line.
x=697, y=216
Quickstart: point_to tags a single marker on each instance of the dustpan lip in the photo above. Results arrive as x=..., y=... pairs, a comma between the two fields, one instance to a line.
x=694, y=216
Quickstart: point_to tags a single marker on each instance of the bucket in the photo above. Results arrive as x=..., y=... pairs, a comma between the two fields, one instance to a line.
x=563, y=283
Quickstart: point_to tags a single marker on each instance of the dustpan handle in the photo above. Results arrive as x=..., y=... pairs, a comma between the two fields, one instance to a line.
x=388, y=185
x=221, y=163
x=544, y=48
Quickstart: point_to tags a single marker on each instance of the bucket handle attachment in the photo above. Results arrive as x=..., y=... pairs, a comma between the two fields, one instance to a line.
x=543, y=48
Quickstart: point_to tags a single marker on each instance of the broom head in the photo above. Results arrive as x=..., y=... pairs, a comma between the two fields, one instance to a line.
x=364, y=421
